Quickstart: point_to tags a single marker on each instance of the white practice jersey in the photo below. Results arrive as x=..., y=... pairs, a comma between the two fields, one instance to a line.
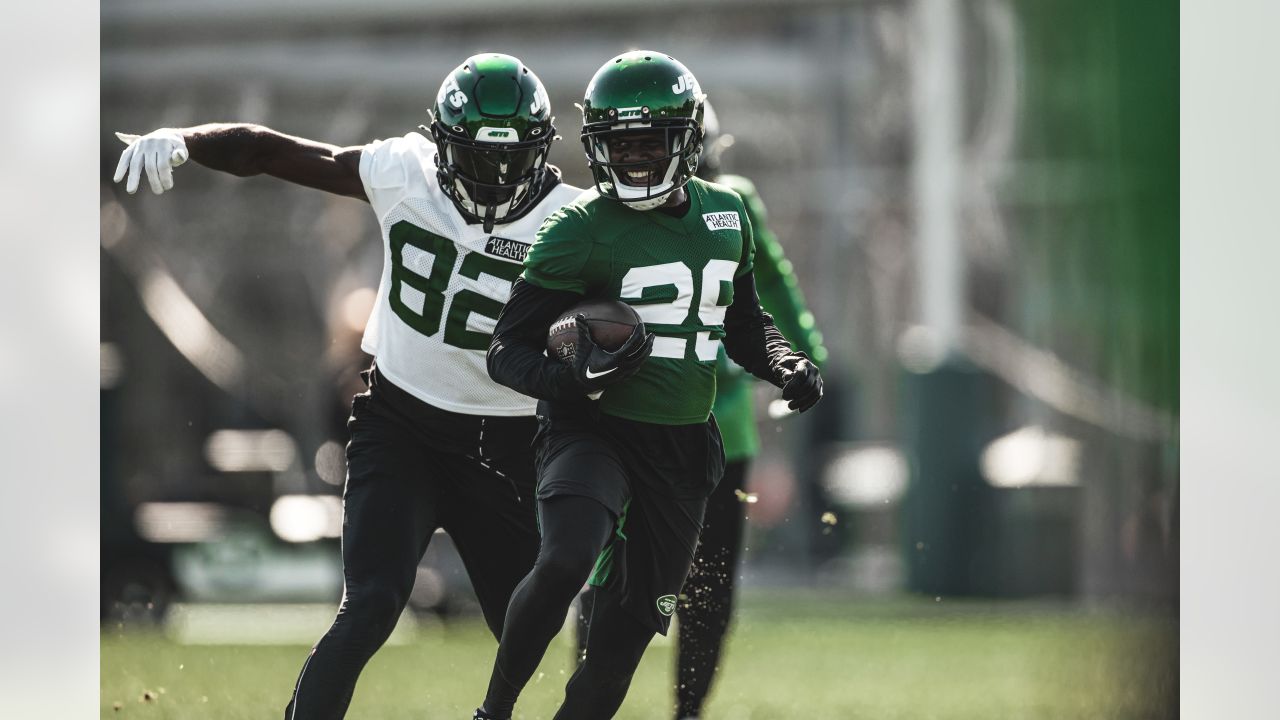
x=443, y=281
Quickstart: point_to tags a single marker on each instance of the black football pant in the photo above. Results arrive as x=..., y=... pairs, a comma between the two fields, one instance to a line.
x=706, y=604
x=412, y=469
x=574, y=530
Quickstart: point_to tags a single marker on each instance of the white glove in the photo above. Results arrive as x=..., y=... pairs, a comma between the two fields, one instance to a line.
x=159, y=151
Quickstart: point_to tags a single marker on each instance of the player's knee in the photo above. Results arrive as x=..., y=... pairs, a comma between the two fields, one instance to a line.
x=376, y=605
x=565, y=567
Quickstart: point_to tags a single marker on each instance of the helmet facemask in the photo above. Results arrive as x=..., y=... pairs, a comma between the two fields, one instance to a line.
x=492, y=181
x=660, y=157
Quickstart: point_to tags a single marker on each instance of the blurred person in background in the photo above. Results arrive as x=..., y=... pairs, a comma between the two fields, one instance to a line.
x=706, y=603
x=624, y=477
x=434, y=442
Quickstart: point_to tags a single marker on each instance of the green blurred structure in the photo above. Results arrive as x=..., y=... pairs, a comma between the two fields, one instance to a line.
x=1092, y=281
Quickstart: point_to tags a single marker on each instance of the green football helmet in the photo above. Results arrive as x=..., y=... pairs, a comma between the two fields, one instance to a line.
x=492, y=127
x=638, y=98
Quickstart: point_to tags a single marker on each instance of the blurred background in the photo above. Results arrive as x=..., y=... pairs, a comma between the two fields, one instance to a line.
x=980, y=202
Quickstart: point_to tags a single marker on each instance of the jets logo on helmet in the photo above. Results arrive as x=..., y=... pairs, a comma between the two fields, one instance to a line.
x=642, y=97
x=540, y=101
x=492, y=127
x=498, y=135
x=452, y=93
x=685, y=82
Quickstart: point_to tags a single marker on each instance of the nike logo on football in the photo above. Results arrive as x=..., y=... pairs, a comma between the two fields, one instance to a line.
x=593, y=376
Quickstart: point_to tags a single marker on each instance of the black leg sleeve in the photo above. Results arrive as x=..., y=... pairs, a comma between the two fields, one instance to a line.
x=574, y=530
x=615, y=644
x=706, y=605
x=751, y=339
x=390, y=512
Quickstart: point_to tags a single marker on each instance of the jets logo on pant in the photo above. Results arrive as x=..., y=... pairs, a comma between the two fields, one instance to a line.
x=667, y=604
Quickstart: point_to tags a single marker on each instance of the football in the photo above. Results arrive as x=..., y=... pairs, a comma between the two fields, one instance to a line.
x=611, y=322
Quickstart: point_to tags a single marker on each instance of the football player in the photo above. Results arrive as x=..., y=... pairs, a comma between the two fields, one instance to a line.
x=623, y=481
x=434, y=442
x=706, y=603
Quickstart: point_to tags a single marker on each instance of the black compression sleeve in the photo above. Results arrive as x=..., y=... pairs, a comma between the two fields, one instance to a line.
x=517, y=355
x=751, y=339
x=574, y=530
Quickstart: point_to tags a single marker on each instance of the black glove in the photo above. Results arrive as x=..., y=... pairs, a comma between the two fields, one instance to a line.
x=596, y=368
x=801, y=381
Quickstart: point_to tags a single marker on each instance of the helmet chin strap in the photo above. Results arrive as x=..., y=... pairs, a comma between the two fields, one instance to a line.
x=490, y=212
x=648, y=204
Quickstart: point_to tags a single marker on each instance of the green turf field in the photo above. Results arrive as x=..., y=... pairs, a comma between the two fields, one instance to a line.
x=795, y=655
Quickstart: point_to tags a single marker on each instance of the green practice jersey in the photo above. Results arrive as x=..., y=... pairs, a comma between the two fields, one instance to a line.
x=781, y=297
x=677, y=273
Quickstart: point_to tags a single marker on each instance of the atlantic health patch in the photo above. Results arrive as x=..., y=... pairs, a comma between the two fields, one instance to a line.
x=505, y=248
x=722, y=220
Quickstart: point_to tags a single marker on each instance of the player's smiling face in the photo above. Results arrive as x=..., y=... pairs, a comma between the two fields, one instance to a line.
x=639, y=148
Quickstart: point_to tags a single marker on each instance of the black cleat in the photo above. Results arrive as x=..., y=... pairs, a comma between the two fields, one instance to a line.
x=482, y=715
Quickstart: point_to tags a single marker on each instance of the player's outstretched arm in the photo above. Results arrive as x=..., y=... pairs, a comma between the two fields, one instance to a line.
x=243, y=150
x=754, y=342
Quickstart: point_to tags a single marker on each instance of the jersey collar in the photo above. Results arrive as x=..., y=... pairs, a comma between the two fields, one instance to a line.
x=680, y=224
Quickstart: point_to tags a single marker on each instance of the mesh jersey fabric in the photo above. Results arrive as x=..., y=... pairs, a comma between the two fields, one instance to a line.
x=677, y=273
x=443, y=281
